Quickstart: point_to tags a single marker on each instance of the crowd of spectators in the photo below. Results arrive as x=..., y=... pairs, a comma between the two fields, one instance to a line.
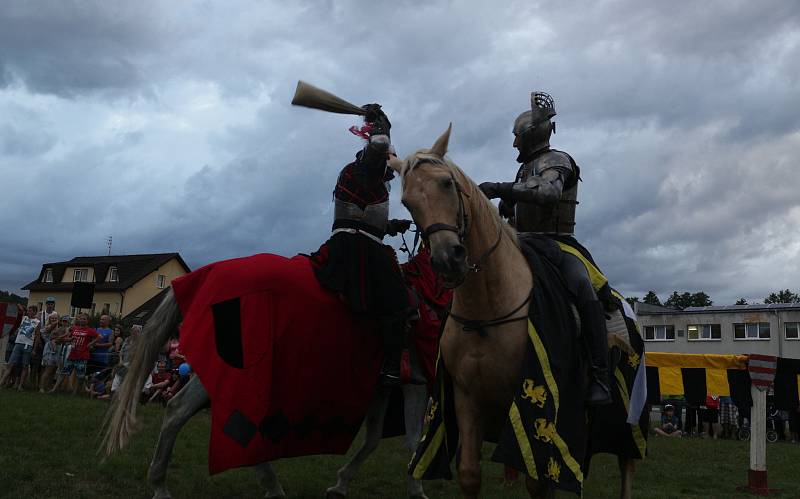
x=721, y=418
x=51, y=353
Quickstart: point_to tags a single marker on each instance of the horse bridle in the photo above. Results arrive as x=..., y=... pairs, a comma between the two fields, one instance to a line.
x=470, y=325
x=461, y=229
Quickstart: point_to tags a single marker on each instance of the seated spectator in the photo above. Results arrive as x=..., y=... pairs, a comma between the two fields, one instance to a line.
x=83, y=339
x=174, y=355
x=161, y=380
x=670, y=423
x=23, y=347
x=98, y=385
x=184, y=374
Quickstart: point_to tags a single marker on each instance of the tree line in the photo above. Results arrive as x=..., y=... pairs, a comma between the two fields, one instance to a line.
x=701, y=299
x=11, y=297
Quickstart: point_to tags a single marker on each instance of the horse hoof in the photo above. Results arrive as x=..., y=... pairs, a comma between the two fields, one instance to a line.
x=332, y=494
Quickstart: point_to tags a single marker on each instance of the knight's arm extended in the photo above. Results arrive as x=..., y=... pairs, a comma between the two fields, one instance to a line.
x=543, y=189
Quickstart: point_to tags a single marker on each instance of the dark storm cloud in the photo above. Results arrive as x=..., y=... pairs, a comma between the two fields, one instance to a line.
x=169, y=126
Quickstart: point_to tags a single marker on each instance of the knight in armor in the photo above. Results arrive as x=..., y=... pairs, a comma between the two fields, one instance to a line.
x=354, y=262
x=542, y=200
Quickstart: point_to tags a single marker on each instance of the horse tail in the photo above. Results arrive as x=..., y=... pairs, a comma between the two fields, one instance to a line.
x=121, y=419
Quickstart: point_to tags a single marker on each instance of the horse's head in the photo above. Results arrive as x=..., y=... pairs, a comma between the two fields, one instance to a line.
x=434, y=196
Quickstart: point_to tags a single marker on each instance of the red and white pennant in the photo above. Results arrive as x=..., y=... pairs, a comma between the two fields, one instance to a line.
x=762, y=370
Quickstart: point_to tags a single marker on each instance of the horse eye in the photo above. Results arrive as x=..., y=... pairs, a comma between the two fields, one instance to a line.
x=447, y=183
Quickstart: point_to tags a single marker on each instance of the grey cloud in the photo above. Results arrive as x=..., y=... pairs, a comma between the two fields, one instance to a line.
x=676, y=112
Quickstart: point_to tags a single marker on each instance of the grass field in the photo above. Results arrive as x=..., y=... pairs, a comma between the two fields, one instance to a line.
x=48, y=448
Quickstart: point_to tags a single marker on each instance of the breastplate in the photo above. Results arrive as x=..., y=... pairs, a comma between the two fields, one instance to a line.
x=374, y=215
x=558, y=218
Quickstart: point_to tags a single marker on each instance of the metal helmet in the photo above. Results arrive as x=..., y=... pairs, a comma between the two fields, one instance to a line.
x=532, y=128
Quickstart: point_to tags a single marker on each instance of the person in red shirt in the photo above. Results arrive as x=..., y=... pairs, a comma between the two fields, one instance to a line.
x=82, y=338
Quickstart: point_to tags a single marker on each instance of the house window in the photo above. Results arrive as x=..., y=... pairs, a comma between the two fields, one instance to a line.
x=659, y=333
x=161, y=281
x=81, y=275
x=112, y=275
x=106, y=308
x=48, y=275
x=792, y=330
x=73, y=311
x=704, y=332
x=94, y=306
x=751, y=331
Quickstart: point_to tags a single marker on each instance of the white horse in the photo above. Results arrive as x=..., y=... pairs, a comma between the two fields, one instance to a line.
x=121, y=422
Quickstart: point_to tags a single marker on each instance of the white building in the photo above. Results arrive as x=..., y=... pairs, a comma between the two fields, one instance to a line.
x=772, y=329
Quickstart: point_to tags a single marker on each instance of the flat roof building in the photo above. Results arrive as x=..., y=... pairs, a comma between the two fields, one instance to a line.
x=772, y=329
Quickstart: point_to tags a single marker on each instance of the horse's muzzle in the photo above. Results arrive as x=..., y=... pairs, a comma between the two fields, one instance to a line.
x=450, y=263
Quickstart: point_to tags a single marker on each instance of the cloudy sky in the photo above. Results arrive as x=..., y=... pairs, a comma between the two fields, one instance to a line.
x=168, y=125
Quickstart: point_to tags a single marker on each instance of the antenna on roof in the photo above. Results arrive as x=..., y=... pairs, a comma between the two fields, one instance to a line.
x=108, y=243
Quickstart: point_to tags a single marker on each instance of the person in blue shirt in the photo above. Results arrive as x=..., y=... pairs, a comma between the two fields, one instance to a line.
x=101, y=348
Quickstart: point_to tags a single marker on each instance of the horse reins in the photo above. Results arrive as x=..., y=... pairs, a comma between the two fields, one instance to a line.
x=470, y=325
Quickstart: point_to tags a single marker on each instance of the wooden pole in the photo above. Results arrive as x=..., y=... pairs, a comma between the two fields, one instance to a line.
x=762, y=374
x=757, y=474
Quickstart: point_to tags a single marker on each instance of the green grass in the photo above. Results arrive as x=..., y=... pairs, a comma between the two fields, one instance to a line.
x=48, y=448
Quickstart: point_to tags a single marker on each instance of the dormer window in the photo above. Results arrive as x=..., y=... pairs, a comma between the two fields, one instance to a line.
x=113, y=276
x=80, y=275
x=161, y=281
x=48, y=275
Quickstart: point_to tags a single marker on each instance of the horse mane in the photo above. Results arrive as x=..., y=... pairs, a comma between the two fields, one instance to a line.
x=474, y=194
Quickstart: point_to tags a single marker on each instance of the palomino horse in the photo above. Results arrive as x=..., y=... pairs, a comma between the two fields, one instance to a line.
x=461, y=225
x=193, y=397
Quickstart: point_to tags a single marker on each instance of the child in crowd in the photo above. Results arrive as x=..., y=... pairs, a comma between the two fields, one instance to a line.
x=670, y=423
x=49, y=357
x=83, y=339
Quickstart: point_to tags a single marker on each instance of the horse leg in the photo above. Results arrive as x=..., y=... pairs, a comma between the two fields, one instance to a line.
x=415, y=402
x=183, y=406
x=269, y=481
x=626, y=469
x=374, y=425
x=471, y=438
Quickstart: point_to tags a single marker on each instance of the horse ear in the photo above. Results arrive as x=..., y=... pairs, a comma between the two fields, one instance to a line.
x=396, y=164
x=440, y=146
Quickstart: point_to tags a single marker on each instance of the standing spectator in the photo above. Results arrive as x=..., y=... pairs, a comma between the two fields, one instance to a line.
x=116, y=344
x=728, y=417
x=12, y=339
x=99, y=356
x=710, y=416
x=670, y=423
x=125, y=355
x=49, y=309
x=23, y=347
x=83, y=339
x=794, y=424
x=46, y=337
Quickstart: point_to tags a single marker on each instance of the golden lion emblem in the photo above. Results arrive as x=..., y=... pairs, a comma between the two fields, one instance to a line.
x=634, y=360
x=553, y=470
x=536, y=394
x=545, y=430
